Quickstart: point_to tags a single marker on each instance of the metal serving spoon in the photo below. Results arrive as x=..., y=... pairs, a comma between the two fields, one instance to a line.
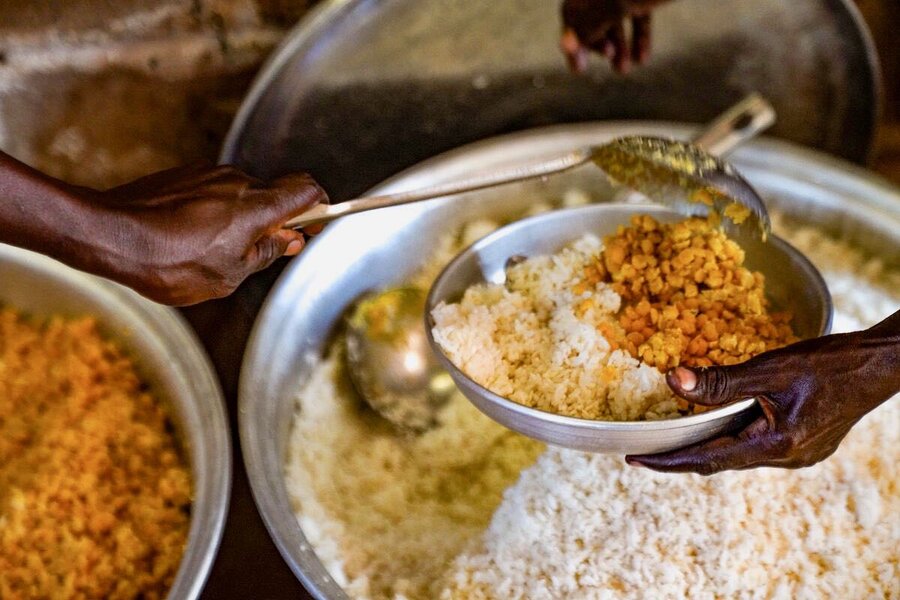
x=390, y=362
x=682, y=175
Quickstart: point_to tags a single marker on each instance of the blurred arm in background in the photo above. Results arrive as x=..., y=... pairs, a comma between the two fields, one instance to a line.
x=600, y=25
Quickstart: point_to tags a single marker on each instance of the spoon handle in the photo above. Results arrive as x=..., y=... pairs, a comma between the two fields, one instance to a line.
x=738, y=124
x=322, y=213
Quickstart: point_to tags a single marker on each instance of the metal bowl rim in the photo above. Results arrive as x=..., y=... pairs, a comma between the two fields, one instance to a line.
x=313, y=24
x=269, y=499
x=316, y=20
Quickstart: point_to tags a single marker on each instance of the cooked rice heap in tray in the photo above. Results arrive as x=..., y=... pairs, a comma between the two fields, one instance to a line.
x=589, y=331
x=465, y=512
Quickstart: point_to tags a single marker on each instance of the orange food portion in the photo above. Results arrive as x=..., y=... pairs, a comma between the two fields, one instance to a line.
x=94, y=496
x=686, y=296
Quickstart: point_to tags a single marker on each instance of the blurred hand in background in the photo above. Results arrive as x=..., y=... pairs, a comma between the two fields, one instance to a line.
x=600, y=26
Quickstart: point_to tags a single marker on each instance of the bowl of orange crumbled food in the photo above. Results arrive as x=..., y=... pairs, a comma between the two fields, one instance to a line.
x=115, y=463
x=562, y=326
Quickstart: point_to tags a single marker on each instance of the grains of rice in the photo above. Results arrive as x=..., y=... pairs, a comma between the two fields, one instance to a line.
x=539, y=342
x=582, y=525
x=388, y=513
x=94, y=497
x=578, y=525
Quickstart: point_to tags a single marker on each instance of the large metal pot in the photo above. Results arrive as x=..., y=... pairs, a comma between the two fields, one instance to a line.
x=362, y=89
x=380, y=248
x=170, y=358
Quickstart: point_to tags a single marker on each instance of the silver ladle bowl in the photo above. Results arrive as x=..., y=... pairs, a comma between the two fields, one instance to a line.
x=392, y=365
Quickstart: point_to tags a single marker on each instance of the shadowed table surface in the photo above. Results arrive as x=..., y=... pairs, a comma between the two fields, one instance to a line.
x=248, y=564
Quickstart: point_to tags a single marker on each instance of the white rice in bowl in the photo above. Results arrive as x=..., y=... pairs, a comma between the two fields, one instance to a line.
x=465, y=512
x=529, y=341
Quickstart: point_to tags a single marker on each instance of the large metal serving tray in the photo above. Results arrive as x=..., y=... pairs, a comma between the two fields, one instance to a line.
x=381, y=248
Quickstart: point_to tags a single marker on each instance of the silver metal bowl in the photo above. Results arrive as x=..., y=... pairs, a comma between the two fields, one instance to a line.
x=793, y=283
x=172, y=361
x=382, y=248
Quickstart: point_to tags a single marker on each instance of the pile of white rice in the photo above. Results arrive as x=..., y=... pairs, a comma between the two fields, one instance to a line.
x=388, y=513
x=537, y=341
x=428, y=517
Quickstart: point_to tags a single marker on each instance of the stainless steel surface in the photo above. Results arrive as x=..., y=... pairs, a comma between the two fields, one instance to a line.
x=399, y=376
x=383, y=248
x=390, y=362
x=794, y=284
x=170, y=359
x=364, y=88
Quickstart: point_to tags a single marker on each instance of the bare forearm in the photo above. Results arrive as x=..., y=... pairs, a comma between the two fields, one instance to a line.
x=42, y=214
x=179, y=236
